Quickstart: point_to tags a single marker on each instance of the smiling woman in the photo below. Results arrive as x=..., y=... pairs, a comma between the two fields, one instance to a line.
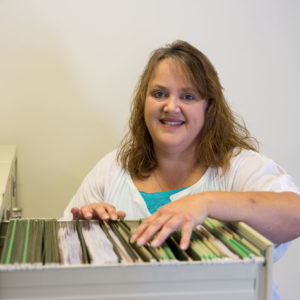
x=185, y=158
x=174, y=110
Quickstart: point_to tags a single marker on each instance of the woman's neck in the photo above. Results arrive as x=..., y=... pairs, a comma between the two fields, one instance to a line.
x=177, y=170
x=173, y=171
x=175, y=161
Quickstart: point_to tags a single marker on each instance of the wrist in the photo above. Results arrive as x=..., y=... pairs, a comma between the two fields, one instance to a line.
x=209, y=201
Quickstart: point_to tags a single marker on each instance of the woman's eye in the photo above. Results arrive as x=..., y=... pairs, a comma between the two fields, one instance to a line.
x=158, y=94
x=188, y=97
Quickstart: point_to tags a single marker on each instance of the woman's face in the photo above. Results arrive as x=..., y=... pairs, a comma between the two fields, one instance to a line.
x=174, y=110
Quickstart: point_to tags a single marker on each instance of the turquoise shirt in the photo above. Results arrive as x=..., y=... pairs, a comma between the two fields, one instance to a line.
x=156, y=200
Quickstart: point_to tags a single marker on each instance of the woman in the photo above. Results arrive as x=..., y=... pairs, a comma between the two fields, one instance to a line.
x=185, y=144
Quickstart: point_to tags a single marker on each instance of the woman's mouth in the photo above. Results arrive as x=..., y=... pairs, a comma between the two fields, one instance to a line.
x=172, y=123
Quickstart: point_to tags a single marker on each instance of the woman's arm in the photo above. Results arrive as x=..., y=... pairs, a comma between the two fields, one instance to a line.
x=275, y=215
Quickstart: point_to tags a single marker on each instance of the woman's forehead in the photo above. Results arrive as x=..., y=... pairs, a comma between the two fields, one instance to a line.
x=172, y=67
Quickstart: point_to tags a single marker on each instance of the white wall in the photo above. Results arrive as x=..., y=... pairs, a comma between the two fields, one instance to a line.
x=68, y=69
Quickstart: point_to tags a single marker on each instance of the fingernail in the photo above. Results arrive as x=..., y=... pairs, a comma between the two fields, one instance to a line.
x=105, y=216
x=132, y=239
x=114, y=217
x=140, y=242
x=154, y=243
x=88, y=215
x=183, y=246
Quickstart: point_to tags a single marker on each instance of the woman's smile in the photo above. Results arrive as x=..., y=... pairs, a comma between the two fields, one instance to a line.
x=170, y=122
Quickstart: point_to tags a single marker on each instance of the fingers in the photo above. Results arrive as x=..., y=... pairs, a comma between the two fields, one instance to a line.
x=103, y=211
x=160, y=224
x=170, y=226
x=149, y=228
x=184, y=214
x=76, y=213
x=186, y=233
x=87, y=212
x=121, y=214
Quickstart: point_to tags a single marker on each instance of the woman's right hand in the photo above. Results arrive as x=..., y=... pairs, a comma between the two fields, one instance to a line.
x=102, y=210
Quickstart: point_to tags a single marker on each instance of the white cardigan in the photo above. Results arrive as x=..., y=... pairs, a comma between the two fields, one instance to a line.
x=108, y=182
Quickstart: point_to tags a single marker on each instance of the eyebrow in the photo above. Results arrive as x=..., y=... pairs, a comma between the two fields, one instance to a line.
x=189, y=90
x=186, y=90
x=157, y=86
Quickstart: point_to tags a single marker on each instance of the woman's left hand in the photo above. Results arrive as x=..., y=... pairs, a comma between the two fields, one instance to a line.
x=183, y=214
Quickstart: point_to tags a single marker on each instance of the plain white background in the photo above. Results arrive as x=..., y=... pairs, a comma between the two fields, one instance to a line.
x=68, y=70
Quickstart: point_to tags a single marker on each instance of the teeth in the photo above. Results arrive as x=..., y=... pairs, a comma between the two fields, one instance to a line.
x=172, y=123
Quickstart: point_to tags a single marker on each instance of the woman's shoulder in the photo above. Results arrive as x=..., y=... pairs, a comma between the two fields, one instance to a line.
x=106, y=166
x=248, y=157
x=245, y=163
x=250, y=170
x=109, y=159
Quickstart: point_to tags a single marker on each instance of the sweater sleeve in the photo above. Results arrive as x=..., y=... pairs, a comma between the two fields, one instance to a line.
x=252, y=171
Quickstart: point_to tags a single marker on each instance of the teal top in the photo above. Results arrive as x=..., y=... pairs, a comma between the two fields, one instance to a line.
x=156, y=200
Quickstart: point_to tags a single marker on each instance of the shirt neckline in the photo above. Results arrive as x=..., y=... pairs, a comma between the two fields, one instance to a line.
x=203, y=177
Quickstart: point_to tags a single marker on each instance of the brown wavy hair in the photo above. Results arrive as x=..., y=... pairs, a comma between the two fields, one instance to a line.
x=221, y=133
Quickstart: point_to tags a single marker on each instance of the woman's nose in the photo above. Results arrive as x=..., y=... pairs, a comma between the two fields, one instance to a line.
x=172, y=105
